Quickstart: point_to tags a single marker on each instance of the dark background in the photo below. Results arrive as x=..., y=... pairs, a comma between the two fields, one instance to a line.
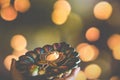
x=37, y=27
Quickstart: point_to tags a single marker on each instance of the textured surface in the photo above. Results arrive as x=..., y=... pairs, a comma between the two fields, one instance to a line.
x=34, y=63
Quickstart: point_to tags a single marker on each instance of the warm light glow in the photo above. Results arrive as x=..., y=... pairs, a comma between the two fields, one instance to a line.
x=8, y=61
x=18, y=42
x=114, y=78
x=81, y=76
x=103, y=10
x=8, y=13
x=116, y=53
x=61, y=11
x=62, y=5
x=53, y=56
x=59, y=17
x=19, y=53
x=22, y=5
x=93, y=71
x=92, y=34
x=113, y=41
x=88, y=53
x=81, y=45
x=4, y=3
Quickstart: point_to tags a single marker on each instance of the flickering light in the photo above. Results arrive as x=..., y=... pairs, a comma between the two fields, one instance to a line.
x=22, y=5
x=93, y=71
x=8, y=61
x=92, y=34
x=113, y=41
x=53, y=56
x=103, y=10
x=81, y=76
x=8, y=13
x=18, y=42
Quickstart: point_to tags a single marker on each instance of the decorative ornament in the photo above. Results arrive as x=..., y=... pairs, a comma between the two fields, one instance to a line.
x=48, y=62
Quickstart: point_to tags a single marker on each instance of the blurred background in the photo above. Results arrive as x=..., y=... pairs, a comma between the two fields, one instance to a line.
x=95, y=23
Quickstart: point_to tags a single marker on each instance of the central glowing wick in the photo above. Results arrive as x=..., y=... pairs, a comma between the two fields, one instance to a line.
x=52, y=56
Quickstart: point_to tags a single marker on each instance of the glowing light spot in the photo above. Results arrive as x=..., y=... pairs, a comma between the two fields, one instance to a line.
x=8, y=13
x=93, y=71
x=4, y=3
x=92, y=34
x=116, y=53
x=113, y=41
x=81, y=76
x=8, y=61
x=88, y=53
x=62, y=5
x=53, y=56
x=81, y=45
x=59, y=17
x=103, y=10
x=18, y=42
x=114, y=78
x=61, y=11
x=22, y=5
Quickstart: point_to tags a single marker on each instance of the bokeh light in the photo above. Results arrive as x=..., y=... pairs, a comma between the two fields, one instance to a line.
x=81, y=76
x=114, y=78
x=102, y=10
x=18, y=42
x=92, y=34
x=22, y=5
x=59, y=17
x=8, y=13
x=93, y=71
x=4, y=3
x=54, y=21
x=81, y=45
x=116, y=53
x=113, y=41
x=61, y=11
x=88, y=52
x=62, y=5
x=9, y=8
x=8, y=61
